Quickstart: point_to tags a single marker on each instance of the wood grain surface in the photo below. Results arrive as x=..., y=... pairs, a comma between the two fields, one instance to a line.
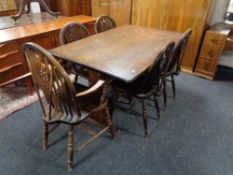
x=123, y=53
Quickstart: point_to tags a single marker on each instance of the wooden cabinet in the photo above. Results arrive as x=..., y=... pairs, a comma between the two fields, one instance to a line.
x=11, y=62
x=211, y=50
x=176, y=15
x=119, y=10
x=12, y=65
x=71, y=7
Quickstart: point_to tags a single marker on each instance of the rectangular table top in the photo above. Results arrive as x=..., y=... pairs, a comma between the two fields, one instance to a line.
x=123, y=53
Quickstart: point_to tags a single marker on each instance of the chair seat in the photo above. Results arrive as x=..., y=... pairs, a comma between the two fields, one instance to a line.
x=128, y=88
x=87, y=105
x=59, y=116
x=131, y=89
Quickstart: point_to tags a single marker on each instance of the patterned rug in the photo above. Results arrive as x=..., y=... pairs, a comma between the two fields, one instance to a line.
x=14, y=98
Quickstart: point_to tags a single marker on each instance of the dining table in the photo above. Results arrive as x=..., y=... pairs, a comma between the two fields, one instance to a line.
x=122, y=53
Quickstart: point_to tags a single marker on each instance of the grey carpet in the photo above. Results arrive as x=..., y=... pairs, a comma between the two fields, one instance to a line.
x=194, y=137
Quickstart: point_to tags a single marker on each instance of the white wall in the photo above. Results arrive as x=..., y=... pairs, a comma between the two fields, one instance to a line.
x=219, y=11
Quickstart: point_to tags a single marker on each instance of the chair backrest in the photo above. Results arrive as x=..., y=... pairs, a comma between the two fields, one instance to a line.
x=71, y=32
x=157, y=72
x=179, y=52
x=52, y=81
x=104, y=23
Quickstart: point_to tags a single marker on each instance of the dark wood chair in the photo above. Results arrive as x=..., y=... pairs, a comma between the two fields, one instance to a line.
x=104, y=23
x=59, y=99
x=150, y=85
x=72, y=32
x=174, y=67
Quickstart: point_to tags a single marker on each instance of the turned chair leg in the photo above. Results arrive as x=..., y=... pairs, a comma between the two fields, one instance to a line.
x=165, y=95
x=144, y=118
x=173, y=86
x=70, y=141
x=109, y=122
x=157, y=106
x=45, y=135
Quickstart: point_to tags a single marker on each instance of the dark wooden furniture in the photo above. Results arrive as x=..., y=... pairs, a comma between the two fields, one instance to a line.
x=104, y=23
x=174, y=67
x=151, y=84
x=12, y=66
x=23, y=3
x=217, y=38
x=122, y=53
x=72, y=32
x=69, y=33
x=61, y=102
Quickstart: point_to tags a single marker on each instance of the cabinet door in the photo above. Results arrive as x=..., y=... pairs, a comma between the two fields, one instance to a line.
x=80, y=7
x=194, y=16
x=64, y=6
x=86, y=7
x=75, y=7
x=45, y=40
x=175, y=15
x=100, y=7
x=120, y=11
x=149, y=13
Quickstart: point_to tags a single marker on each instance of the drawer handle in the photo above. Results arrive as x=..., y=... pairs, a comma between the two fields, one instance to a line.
x=215, y=41
x=210, y=53
x=206, y=65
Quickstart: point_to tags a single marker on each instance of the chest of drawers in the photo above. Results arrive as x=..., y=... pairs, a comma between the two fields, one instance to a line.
x=12, y=64
x=211, y=50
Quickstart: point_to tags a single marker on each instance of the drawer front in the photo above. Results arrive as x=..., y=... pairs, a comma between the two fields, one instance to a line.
x=12, y=73
x=9, y=59
x=210, y=51
x=214, y=38
x=46, y=40
x=8, y=47
x=56, y=38
x=206, y=66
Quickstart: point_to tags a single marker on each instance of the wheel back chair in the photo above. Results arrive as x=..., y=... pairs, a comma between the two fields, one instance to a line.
x=71, y=32
x=104, y=23
x=150, y=85
x=59, y=99
x=174, y=67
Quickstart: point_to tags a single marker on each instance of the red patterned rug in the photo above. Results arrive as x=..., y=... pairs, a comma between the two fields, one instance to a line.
x=14, y=98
